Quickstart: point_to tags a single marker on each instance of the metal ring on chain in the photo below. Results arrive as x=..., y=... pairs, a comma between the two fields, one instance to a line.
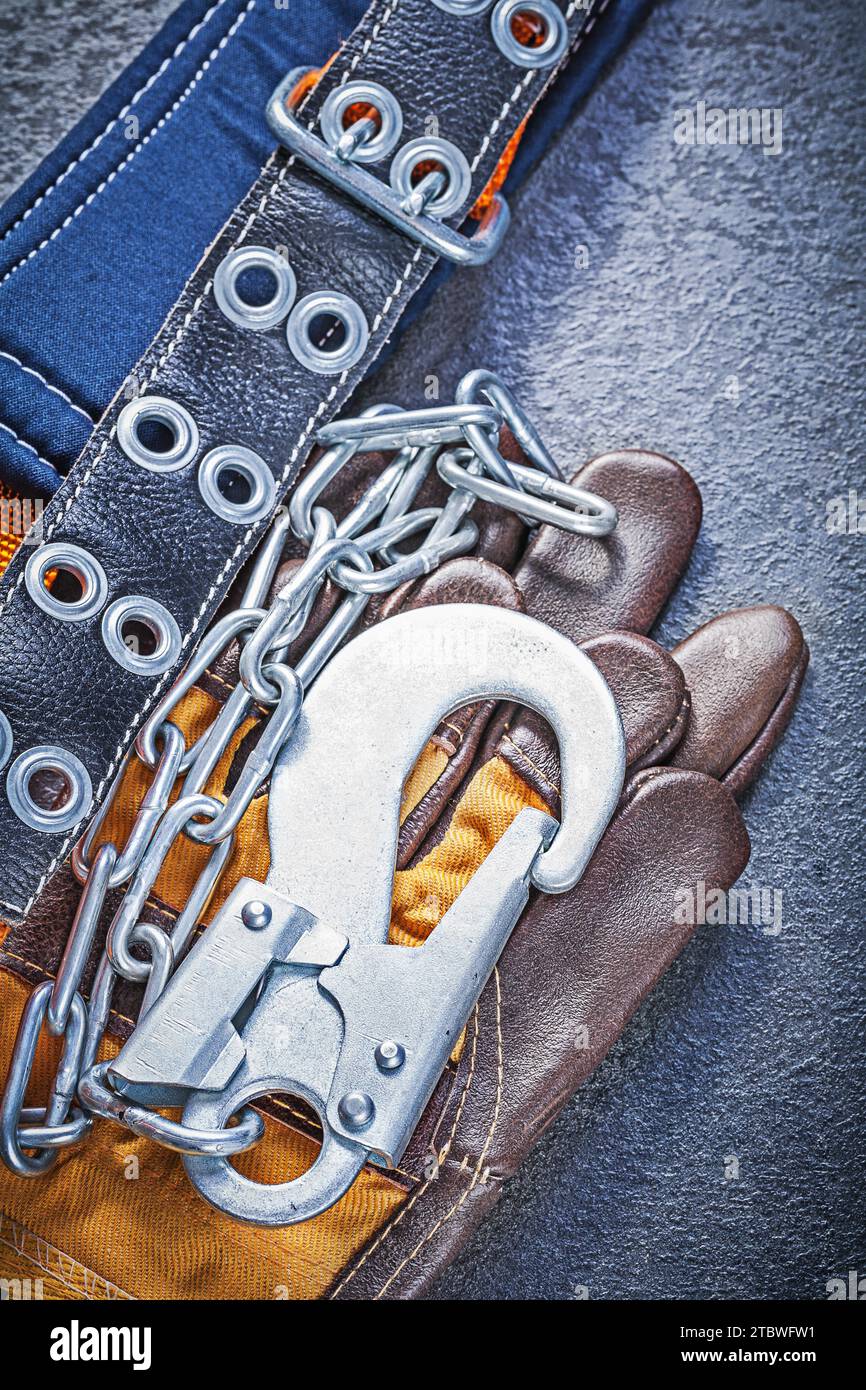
x=341, y=551
x=97, y=1095
x=52, y=1120
x=544, y=500
x=34, y=1133
x=463, y=7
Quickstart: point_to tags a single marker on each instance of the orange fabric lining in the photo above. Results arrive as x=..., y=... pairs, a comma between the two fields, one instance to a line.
x=11, y=527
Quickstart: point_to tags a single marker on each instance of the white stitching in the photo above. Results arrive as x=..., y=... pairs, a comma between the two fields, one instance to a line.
x=485, y=144
x=323, y=404
x=124, y=163
x=25, y=445
x=142, y=91
x=31, y=371
x=41, y=1250
x=242, y=545
x=524, y=83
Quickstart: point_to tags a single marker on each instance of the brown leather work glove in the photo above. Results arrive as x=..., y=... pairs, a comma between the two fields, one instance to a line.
x=699, y=723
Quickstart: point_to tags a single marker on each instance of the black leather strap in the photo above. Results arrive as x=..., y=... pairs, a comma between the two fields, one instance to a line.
x=151, y=532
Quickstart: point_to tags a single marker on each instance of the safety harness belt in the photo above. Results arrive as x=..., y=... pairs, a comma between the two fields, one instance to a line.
x=380, y=161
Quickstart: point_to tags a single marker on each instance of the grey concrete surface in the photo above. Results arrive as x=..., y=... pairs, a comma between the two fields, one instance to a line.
x=716, y=315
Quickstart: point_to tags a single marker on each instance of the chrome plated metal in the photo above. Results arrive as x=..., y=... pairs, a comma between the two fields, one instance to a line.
x=327, y=1003
x=98, y=1097
x=158, y=410
x=439, y=424
x=234, y=458
x=259, y=317
x=153, y=806
x=451, y=193
x=15, y=1141
x=219, y=637
x=482, y=382
x=379, y=197
x=205, y=1023
x=64, y=556
x=347, y=312
x=541, y=498
x=379, y=141
x=554, y=41
x=154, y=616
x=80, y=940
x=48, y=757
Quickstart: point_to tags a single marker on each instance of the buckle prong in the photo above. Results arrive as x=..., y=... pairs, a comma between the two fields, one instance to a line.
x=366, y=189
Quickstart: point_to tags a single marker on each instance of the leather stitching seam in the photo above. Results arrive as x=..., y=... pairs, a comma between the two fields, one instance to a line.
x=480, y=1173
x=554, y=786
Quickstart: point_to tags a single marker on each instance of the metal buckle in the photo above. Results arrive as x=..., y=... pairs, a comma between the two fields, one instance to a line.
x=379, y=197
x=294, y=987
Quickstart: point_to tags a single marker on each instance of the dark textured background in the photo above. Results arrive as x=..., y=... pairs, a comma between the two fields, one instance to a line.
x=704, y=264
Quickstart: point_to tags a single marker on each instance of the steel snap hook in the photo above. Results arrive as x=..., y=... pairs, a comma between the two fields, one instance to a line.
x=295, y=987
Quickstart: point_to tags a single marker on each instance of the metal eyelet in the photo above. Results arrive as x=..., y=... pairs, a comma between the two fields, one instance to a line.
x=542, y=55
x=454, y=162
x=463, y=7
x=340, y=307
x=234, y=458
x=160, y=411
x=62, y=555
x=5, y=739
x=49, y=757
x=137, y=608
x=256, y=316
x=338, y=102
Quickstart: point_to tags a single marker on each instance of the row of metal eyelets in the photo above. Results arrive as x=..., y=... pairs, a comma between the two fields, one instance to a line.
x=544, y=54
x=66, y=558
x=72, y=559
x=440, y=193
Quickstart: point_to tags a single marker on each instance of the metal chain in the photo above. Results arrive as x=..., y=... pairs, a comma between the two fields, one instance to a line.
x=361, y=554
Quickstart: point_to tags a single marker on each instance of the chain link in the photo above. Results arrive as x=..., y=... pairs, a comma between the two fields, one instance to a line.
x=362, y=555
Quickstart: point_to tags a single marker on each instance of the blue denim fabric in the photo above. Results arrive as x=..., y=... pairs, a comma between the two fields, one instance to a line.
x=97, y=244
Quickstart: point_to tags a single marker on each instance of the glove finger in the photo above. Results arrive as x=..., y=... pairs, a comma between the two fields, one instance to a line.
x=651, y=696
x=744, y=670
x=583, y=586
